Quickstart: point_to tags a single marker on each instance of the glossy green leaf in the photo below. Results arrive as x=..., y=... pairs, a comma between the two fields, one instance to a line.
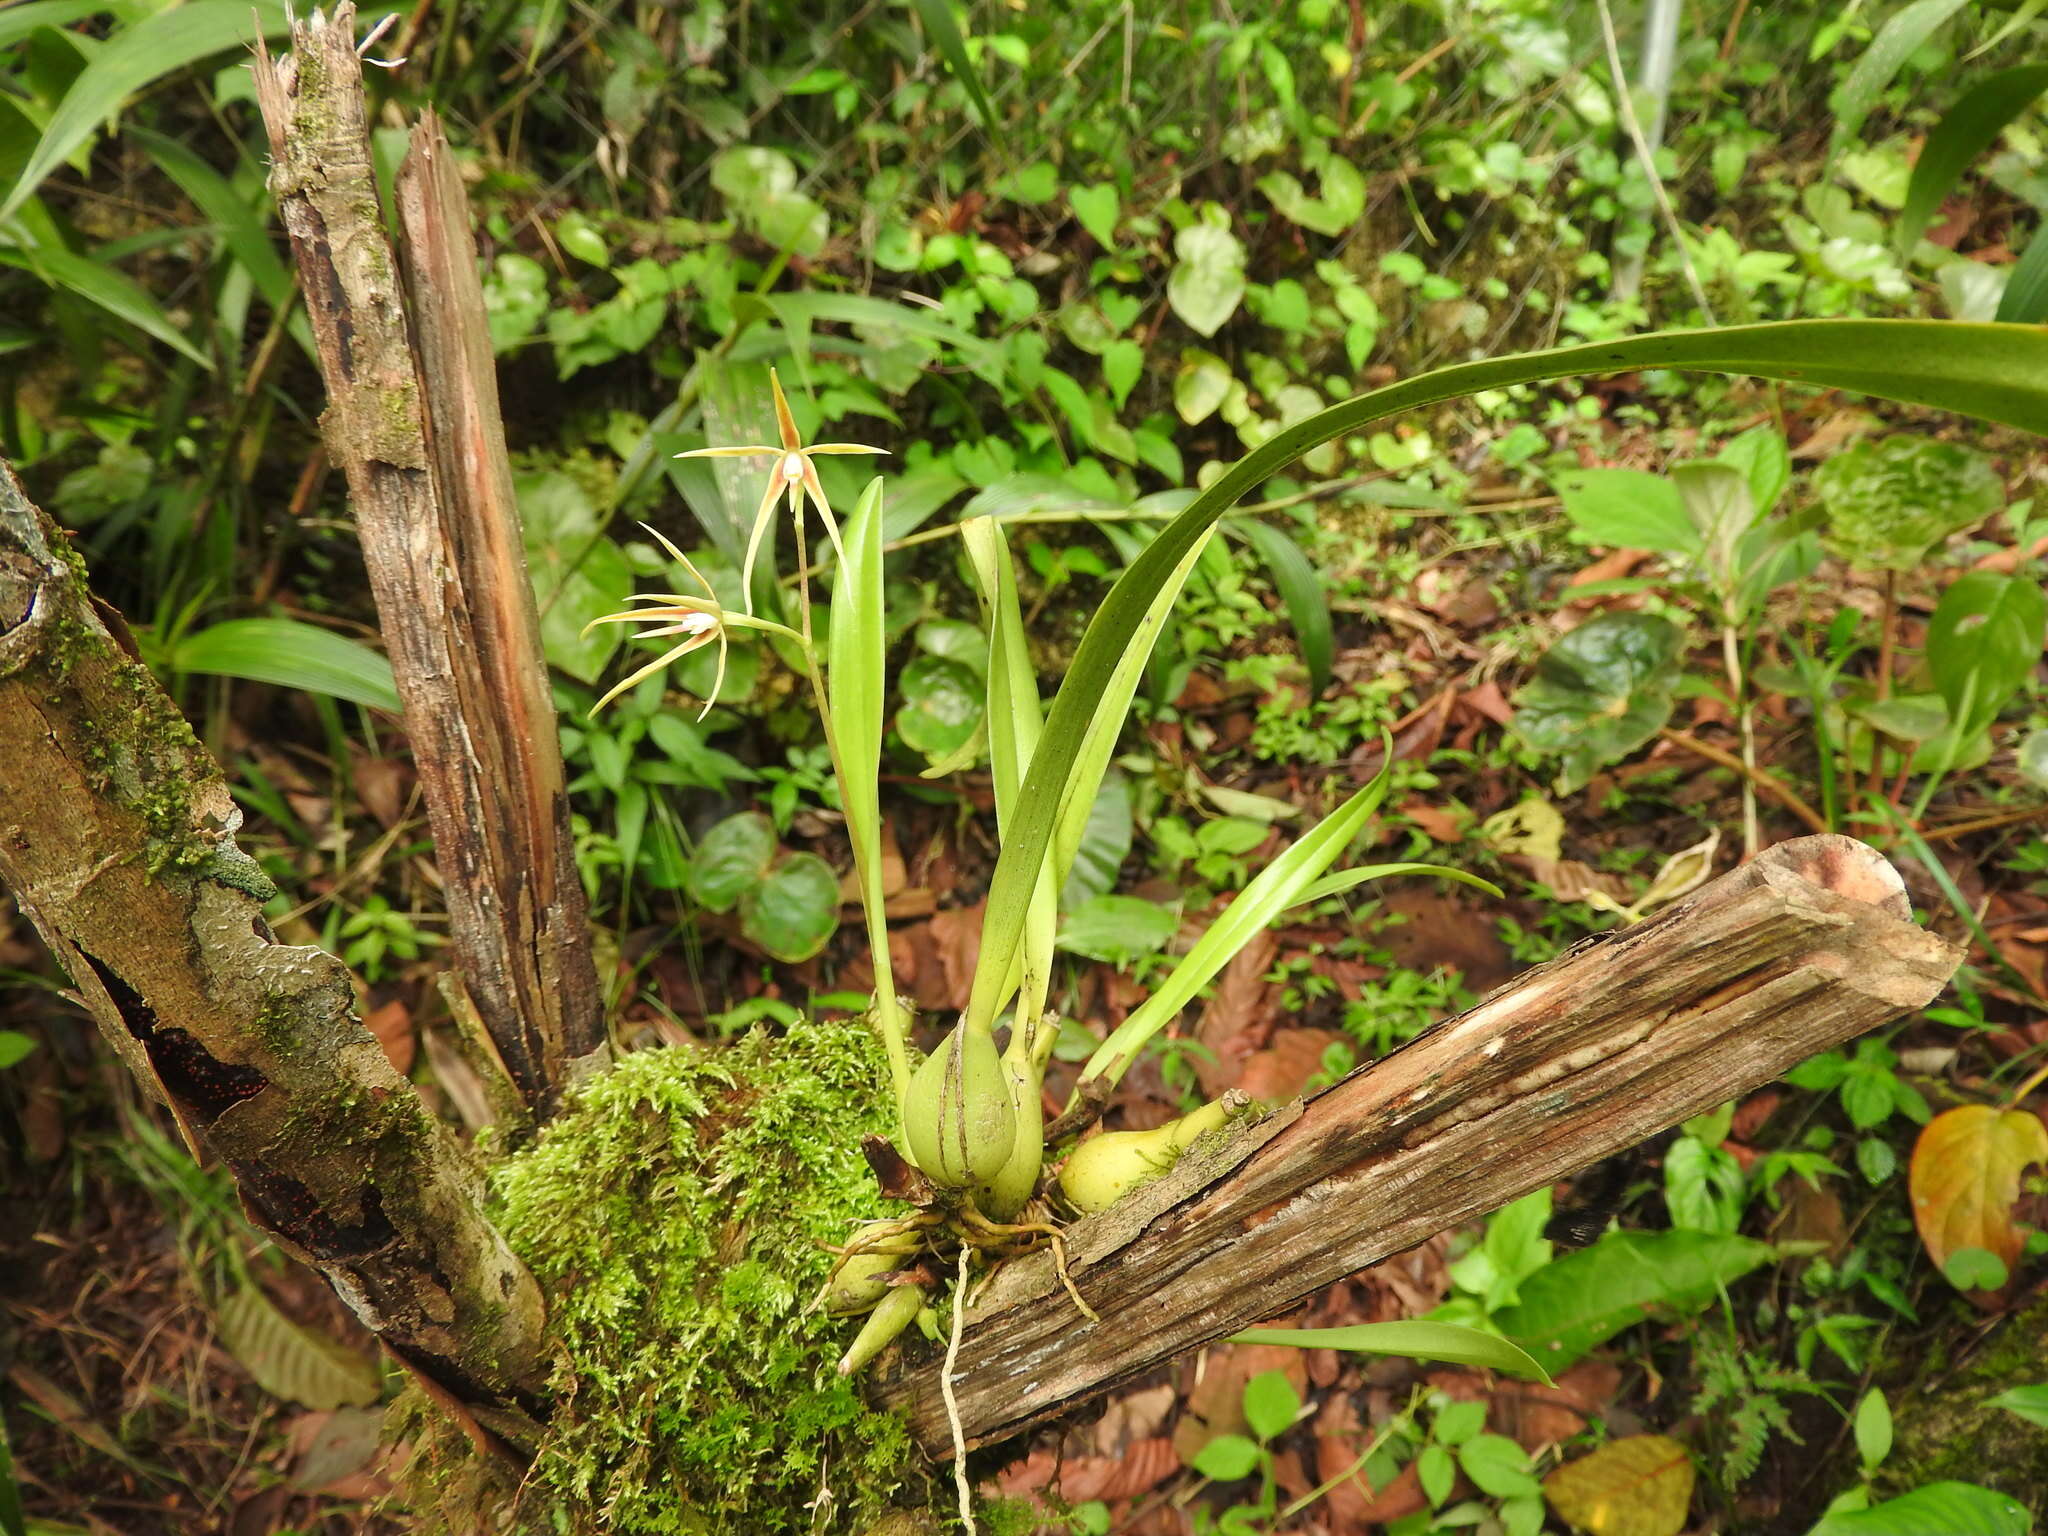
x=1583, y=1299
x=1414, y=1340
x=1896, y=41
x=290, y=654
x=134, y=58
x=1965, y=131
x=17, y=21
x=1891, y=499
x=1600, y=692
x=1301, y=591
x=1627, y=509
x=1995, y=371
x=731, y=859
x=793, y=913
x=942, y=706
x=1983, y=643
x=1118, y=929
x=2025, y=300
x=2030, y=1403
x=1937, y=1509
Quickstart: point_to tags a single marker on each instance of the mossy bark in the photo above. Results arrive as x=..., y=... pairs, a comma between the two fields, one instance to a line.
x=1942, y=1428
x=117, y=839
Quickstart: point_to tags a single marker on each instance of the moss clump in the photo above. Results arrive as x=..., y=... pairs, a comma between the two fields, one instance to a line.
x=673, y=1212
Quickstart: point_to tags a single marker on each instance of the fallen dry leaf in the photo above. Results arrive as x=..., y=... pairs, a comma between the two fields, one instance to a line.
x=957, y=933
x=1640, y=1486
x=1279, y=1072
x=1140, y=1468
x=392, y=1025
x=1965, y=1179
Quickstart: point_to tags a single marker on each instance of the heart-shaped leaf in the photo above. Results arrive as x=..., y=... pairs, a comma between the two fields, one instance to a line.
x=1637, y=1486
x=795, y=911
x=1965, y=1179
x=1201, y=385
x=731, y=859
x=1601, y=692
x=1207, y=283
x=1983, y=644
x=1097, y=209
x=1891, y=499
x=942, y=705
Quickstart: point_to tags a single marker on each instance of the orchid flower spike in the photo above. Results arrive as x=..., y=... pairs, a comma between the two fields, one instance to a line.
x=793, y=472
x=700, y=619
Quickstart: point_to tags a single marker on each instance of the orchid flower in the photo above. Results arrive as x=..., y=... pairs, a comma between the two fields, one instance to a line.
x=793, y=473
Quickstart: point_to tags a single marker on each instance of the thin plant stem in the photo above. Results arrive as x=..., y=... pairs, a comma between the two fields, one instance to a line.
x=1783, y=793
x=1887, y=624
x=1731, y=659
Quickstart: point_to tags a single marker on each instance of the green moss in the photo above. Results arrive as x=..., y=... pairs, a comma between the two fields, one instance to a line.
x=673, y=1212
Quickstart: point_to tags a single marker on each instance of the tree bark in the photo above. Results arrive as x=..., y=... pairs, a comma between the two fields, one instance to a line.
x=417, y=431
x=1617, y=1039
x=117, y=839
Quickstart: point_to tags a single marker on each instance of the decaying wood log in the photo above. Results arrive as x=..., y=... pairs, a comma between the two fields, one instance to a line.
x=117, y=838
x=423, y=447
x=1617, y=1039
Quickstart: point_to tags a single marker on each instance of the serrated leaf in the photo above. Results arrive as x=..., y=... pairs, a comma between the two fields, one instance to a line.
x=291, y=1362
x=1637, y=1486
x=1965, y=1179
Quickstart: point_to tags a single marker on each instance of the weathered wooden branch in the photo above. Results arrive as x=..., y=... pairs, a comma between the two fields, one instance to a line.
x=1615, y=1040
x=419, y=435
x=117, y=839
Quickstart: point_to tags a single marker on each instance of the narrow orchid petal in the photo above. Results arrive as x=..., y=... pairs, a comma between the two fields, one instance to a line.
x=666, y=543
x=761, y=520
x=724, y=453
x=649, y=670
x=718, y=679
x=790, y=441
x=698, y=575
x=843, y=448
x=817, y=495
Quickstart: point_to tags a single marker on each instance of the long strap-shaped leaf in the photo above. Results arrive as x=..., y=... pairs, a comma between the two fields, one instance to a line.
x=1999, y=372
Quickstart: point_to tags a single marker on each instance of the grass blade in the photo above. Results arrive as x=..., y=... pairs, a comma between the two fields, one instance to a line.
x=1964, y=133
x=944, y=33
x=1301, y=589
x=289, y=653
x=1896, y=41
x=100, y=285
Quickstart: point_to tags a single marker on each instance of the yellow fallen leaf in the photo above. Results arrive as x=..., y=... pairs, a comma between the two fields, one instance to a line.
x=1638, y=1486
x=1966, y=1178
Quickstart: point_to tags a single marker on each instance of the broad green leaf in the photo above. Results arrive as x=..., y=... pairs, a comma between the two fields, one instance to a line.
x=1965, y=131
x=1201, y=385
x=1896, y=41
x=1721, y=507
x=1891, y=499
x=15, y=1048
x=1873, y=1428
x=1937, y=1509
x=2030, y=1403
x=944, y=33
x=1272, y=891
x=731, y=859
x=1301, y=590
x=104, y=287
x=2025, y=300
x=1627, y=509
x=1600, y=692
x=1270, y=1404
x=1105, y=843
x=134, y=58
x=1118, y=929
x=2033, y=756
x=291, y=1362
x=1583, y=1299
x=794, y=912
x=1098, y=209
x=942, y=706
x=1415, y=1340
x=1983, y=643
x=1207, y=282
x=17, y=21
x=1640, y=1485
x=1999, y=372
x=290, y=654
x=1227, y=1458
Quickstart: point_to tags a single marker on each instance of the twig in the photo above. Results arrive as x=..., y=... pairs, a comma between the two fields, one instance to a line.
x=1777, y=790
